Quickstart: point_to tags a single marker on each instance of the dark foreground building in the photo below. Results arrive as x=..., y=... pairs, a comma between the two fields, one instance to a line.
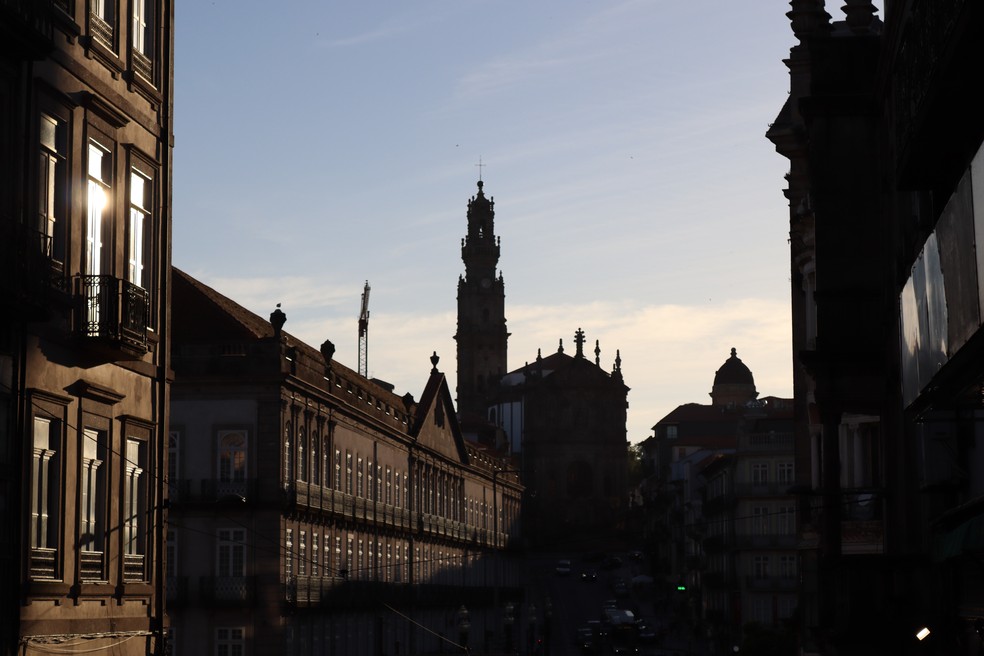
x=85, y=191
x=886, y=197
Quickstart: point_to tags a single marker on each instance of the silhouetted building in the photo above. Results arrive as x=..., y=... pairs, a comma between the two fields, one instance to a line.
x=720, y=517
x=316, y=512
x=885, y=195
x=481, y=336
x=565, y=415
x=85, y=194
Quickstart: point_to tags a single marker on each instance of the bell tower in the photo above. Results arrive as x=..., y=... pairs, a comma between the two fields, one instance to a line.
x=481, y=335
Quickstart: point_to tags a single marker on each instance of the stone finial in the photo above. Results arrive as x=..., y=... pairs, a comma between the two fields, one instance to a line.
x=579, y=343
x=808, y=17
x=560, y=347
x=327, y=351
x=597, y=354
x=408, y=402
x=860, y=15
x=277, y=320
x=434, y=360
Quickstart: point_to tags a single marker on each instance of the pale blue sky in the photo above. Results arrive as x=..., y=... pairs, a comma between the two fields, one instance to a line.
x=322, y=144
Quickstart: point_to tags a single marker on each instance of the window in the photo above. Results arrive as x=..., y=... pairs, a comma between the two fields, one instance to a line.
x=231, y=554
x=230, y=641
x=232, y=462
x=338, y=470
x=134, y=497
x=786, y=520
x=784, y=472
x=173, y=463
x=315, y=555
x=171, y=554
x=369, y=485
x=98, y=195
x=760, y=473
x=45, y=484
x=348, y=473
x=142, y=32
x=671, y=432
x=787, y=566
x=289, y=554
x=301, y=456
x=348, y=557
x=102, y=16
x=760, y=520
x=302, y=554
x=141, y=201
x=315, y=459
x=389, y=486
x=92, y=509
x=360, y=488
x=287, y=455
x=52, y=187
x=760, y=567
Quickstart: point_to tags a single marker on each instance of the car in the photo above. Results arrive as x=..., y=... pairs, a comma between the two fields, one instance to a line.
x=563, y=567
x=645, y=631
x=636, y=555
x=589, y=576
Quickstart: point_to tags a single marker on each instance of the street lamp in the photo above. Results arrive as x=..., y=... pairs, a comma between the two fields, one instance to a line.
x=463, y=626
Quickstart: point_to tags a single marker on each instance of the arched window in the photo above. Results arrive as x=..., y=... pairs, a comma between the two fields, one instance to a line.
x=315, y=458
x=287, y=454
x=301, y=455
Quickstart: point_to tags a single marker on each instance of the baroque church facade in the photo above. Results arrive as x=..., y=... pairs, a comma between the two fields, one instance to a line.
x=562, y=418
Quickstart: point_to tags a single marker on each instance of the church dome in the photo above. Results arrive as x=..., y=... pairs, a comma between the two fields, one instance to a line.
x=734, y=372
x=733, y=383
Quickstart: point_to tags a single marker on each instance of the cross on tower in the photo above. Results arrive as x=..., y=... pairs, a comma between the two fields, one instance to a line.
x=480, y=165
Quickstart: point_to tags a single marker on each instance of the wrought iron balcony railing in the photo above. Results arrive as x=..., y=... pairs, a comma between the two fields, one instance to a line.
x=112, y=309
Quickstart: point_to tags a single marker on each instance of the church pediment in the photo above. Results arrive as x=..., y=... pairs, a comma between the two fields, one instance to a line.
x=436, y=427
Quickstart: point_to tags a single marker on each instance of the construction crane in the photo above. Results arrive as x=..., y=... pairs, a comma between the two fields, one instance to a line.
x=364, y=333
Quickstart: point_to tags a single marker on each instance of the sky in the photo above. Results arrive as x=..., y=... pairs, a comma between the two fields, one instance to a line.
x=323, y=144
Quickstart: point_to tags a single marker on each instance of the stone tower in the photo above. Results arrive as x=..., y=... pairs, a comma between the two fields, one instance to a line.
x=481, y=335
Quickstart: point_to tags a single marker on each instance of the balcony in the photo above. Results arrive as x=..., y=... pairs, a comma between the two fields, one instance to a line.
x=773, y=442
x=227, y=590
x=862, y=529
x=133, y=567
x=112, y=312
x=771, y=583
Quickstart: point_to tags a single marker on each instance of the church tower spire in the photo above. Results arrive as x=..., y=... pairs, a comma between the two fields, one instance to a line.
x=481, y=336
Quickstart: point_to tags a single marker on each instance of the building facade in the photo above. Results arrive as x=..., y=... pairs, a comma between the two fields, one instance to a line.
x=85, y=192
x=565, y=416
x=885, y=223
x=316, y=512
x=720, y=511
